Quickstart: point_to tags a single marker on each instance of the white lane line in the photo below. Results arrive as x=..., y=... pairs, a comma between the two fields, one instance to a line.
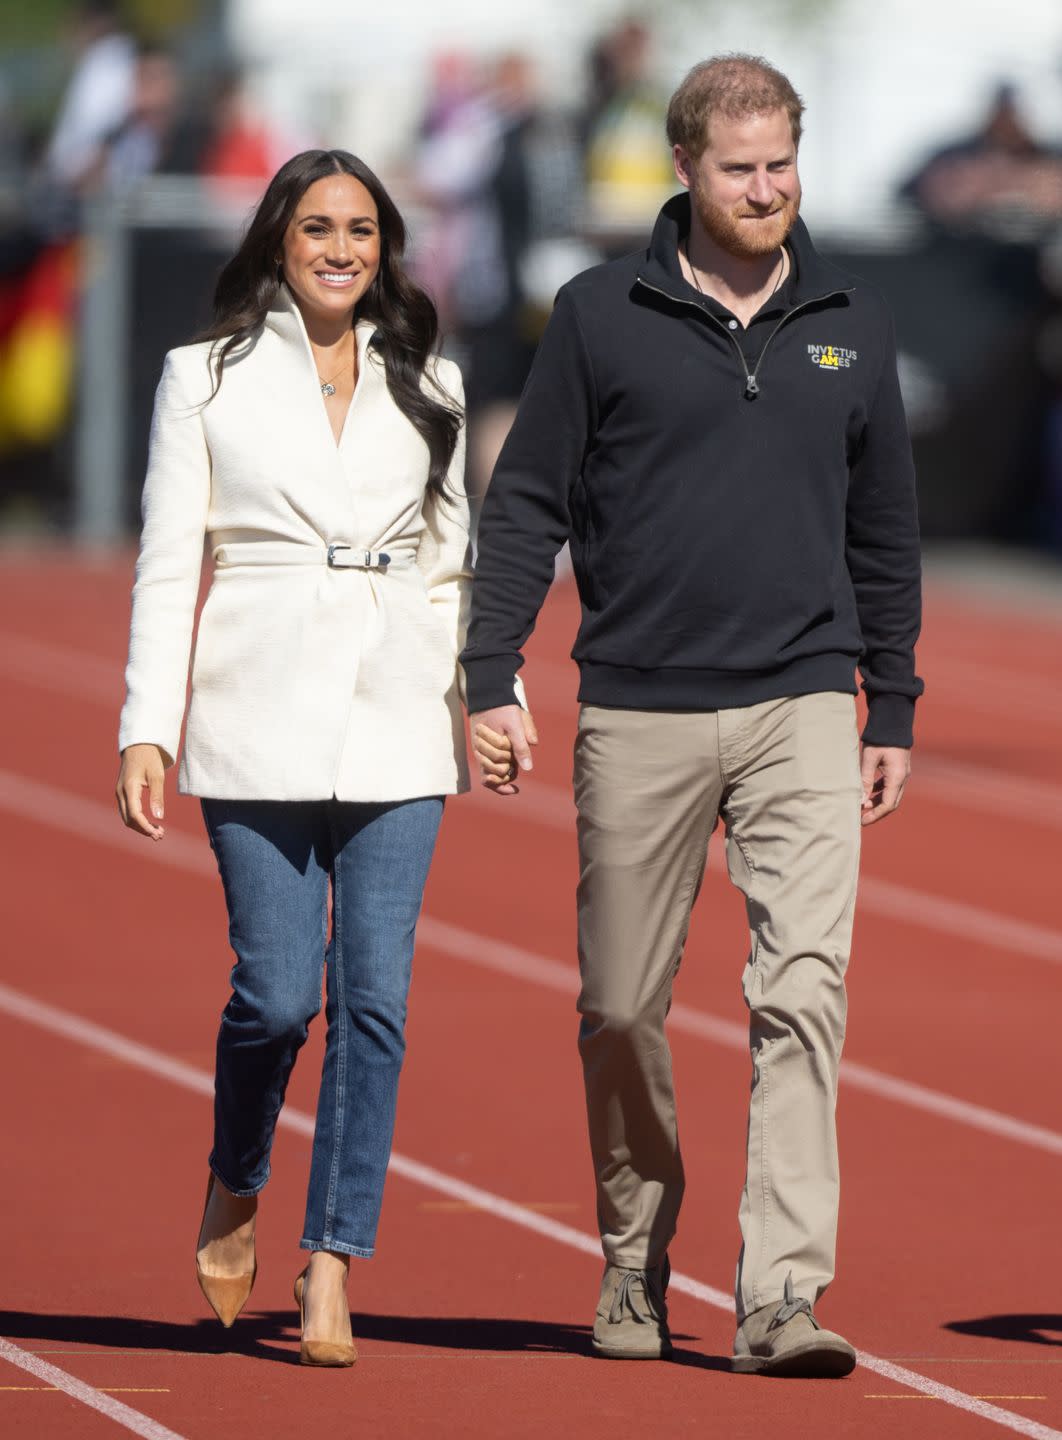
x=954, y=917
x=91, y=677
x=552, y=806
x=933, y=1389
x=552, y=685
x=61, y=668
x=86, y=1032
x=66, y=670
x=954, y=782
x=114, y=1410
x=89, y=818
x=994, y=688
x=1011, y=797
x=540, y=970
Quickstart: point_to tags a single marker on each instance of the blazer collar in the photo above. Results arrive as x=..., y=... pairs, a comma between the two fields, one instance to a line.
x=285, y=321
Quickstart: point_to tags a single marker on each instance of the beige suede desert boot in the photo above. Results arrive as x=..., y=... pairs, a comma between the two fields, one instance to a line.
x=786, y=1339
x=631, y=1319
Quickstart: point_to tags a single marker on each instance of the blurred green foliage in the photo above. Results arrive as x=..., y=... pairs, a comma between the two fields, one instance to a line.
x=786, y=14
x=36, y=55
x=28, y=24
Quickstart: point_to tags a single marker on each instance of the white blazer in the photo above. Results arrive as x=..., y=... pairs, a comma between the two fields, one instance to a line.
x=314, y=675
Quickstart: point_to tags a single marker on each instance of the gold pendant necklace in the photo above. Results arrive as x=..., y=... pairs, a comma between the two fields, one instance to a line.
x=327, y=388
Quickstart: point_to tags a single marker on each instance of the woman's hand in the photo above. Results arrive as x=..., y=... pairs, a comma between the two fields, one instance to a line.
x=501, y=741
x=143, y=768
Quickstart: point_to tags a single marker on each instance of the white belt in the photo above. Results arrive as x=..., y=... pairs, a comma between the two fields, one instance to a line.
x=336, y=556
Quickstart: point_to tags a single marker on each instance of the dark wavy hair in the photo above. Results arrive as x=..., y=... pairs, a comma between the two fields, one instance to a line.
x=407, y=325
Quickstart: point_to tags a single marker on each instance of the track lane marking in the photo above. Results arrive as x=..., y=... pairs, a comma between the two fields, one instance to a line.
x=552, y=685
x=86, y=1032
x=554, y=807
x=91, y=677
x=552, y=974
x=57, y=1379
x=94, y=678
x=48, y=805
x=972, y=1397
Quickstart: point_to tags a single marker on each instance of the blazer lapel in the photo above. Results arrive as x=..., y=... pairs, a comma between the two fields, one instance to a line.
x=291, y=345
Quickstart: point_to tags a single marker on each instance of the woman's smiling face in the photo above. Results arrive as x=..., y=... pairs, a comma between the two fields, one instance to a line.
x=331, y=249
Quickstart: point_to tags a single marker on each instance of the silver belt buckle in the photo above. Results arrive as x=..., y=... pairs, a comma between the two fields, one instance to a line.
x=368, y=560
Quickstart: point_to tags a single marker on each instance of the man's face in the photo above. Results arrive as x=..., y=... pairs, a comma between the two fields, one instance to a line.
x=745, y=187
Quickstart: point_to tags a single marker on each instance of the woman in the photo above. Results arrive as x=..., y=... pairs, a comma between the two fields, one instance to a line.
x=316, y=443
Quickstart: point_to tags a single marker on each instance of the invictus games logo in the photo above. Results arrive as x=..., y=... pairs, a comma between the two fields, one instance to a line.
x=832, y=357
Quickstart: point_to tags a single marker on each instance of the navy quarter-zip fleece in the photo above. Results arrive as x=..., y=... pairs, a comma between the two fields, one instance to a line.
x=740, y=506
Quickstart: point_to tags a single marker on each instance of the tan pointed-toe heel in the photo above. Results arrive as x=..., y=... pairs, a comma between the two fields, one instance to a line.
x=225, y=1294
x=321, y=1352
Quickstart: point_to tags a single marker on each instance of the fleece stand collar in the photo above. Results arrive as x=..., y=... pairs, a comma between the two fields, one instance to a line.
x=813, y=276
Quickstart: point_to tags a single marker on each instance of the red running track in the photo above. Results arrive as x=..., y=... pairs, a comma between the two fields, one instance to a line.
x=472, y=1321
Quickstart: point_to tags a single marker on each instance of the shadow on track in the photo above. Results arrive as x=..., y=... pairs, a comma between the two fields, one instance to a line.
x=521, y=1336
x=1035, y=1329
x=261, y=1333
x=251, y=1335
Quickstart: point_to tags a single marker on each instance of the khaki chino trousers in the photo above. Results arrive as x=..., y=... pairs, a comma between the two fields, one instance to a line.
x=649, y=787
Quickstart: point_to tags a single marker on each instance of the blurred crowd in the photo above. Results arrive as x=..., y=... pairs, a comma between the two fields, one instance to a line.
x=992, y=203
x=509, y=196
x=509, y=199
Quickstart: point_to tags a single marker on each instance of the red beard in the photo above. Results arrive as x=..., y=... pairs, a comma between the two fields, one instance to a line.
x=743, y=237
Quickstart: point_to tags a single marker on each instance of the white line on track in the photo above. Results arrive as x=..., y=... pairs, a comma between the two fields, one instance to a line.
x=540, y=970
x=1010, y=797
x=969, y=787
x=94, y=678
x=552, y=806
x=994, y=689
x=85, y=1032
x=113, y=1409
x=988, y=690
x=49, y=805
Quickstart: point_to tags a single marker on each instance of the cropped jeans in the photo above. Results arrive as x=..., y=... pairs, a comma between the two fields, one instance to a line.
x=277, y=860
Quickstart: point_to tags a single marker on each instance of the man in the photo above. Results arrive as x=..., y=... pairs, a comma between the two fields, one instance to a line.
x=716, y=426
x=97, y=98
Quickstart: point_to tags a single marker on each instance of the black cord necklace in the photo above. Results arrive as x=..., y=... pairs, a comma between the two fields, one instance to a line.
x=700, y=288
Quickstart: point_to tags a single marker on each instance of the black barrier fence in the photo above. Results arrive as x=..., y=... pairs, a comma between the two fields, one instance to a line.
x=974, y=320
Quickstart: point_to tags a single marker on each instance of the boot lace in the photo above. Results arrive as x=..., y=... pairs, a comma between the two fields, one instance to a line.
x=791, y=1306
x=623, y=1299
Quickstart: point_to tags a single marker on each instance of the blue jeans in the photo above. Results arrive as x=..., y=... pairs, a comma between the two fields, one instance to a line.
x=276, y=858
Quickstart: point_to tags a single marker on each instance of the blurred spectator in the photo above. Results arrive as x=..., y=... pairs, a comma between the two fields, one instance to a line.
x=453, y=144
x=97, y=98
x=627, y=159
x=11, y=139
x=156, y=136
x=1049, y=354
x=1001, y=171
x=473, y=167
x=244, y=144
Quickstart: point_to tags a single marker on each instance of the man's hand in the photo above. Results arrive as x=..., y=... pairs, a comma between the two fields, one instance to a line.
x=501, y=741
x=884, y=770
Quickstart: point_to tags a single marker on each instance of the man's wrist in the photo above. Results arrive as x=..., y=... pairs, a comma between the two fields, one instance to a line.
x=492, y=683
x=890, y=721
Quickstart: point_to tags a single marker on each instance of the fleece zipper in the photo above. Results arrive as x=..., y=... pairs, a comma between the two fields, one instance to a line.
x=752, y=388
